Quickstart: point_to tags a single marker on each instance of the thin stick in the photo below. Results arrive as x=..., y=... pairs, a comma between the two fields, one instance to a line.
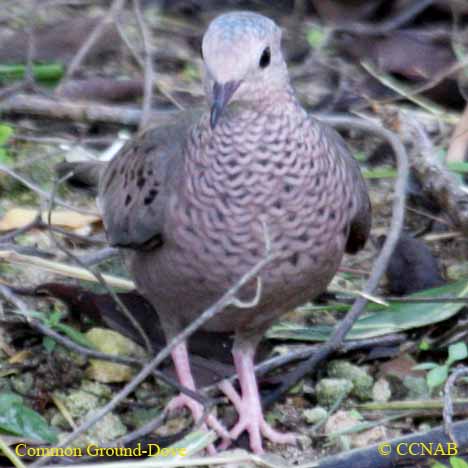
x=95, y=35
x=10, y=454
x=32, y=105
x=63, y=269
x=148, y=69
x=43, y=193
x=448, y=402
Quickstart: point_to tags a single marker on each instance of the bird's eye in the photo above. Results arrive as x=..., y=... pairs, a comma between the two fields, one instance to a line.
x=265, y=58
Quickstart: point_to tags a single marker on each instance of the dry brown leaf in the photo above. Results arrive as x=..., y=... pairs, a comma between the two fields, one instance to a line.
x=20, y=357
x=18, y=217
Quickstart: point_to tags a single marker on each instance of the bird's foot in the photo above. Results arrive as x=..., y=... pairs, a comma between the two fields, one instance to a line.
x=251, y=419
x=211, y=422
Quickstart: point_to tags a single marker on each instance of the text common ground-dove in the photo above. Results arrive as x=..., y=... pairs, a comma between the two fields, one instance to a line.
x=187, y=203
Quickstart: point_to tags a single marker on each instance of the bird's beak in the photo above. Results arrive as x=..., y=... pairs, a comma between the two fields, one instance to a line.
x=222, y=93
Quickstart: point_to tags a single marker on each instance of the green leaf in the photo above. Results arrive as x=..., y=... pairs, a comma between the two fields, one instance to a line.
x=5, y=133
x=18, y=419
x=380, y=320
x=48, y=72
x=316, y=37
x=193, y=442
x=458, y=166
x=424, y=345
x=75, y=335
x=425, y=366
x=456, y=462
x=438, y=465
x=437, y=376
x=53, y=318
x=49, y=344
x=5, y=158
x=390, y=173
x=379, y=173
x=457, y=352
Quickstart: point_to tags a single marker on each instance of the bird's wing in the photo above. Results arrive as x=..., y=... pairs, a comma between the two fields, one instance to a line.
x=134, y=188
x=361, y=216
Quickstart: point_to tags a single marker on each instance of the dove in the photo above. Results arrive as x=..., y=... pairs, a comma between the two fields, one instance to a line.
x=190, y=203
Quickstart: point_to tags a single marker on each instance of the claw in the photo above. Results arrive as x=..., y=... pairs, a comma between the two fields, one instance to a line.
x=181, y=362
x=249, y=407
x=211, y=422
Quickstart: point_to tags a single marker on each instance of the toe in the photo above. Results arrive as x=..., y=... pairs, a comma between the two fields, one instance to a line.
x=277, y=437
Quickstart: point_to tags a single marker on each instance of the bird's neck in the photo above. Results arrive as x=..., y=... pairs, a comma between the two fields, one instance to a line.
x=274, y=101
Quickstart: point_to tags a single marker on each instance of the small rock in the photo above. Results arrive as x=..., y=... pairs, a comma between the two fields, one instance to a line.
x=22, y=383
x=79, y=402
x=340, y=421
x=96, y=388
x=111, y=342
x=369, y=437
x=381, y=391
x=315, y=415
x=417, y=387
x=304, y=442
x=457, y=271
x=107, y=428
x=361, y=381
x=328, y=391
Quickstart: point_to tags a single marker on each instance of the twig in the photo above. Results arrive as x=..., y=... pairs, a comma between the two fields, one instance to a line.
x=142, y=431
x=10, y=454
x=126, y=40
x=148, y=68
x=22, y=230
x=436, y=180
x=100, y=256
x=378, y=269
x=95, y=35
x=412, y=300
x=448, y=403
x=43, y=193
x=31, y=50
x=227, y=299
x=405, y=405
x=419, y=89
x=420, y=101
x=63, y=269
x=392, y=23
x=24, y=104
x=141, y=63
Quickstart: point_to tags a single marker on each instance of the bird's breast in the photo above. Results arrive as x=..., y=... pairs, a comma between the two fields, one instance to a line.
x=264, y=181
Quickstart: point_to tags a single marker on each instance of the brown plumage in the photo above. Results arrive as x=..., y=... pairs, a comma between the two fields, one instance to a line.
x=187, y=201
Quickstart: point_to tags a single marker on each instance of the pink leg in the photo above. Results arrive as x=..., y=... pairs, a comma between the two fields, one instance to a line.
x=184, y=374
x=248, y=405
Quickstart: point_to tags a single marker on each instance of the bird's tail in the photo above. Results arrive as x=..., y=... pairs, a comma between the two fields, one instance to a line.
x=83, y=175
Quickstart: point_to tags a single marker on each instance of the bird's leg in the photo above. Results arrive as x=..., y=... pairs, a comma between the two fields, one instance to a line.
x=248, y=404
x=182, y=366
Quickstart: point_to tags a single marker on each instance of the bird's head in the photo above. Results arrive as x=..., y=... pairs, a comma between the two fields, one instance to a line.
x=242, y=60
